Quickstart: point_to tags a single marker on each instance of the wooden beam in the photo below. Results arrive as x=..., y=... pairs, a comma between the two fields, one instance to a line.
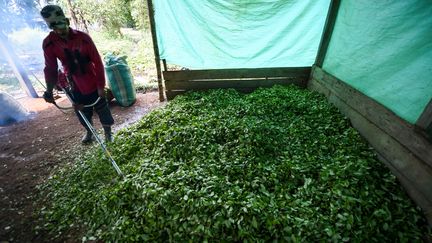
x=424, y=123
x=243, y=80
x=16, y=66
x=238, y=73
x=405, y=152
x=410, y=183
x=384, y=118
x=171, y=94
x=328, y=31
x=156, y=49
x=165, y=64
x=225, y=84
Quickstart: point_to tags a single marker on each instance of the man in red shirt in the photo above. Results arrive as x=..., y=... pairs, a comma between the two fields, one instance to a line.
x=82, y=65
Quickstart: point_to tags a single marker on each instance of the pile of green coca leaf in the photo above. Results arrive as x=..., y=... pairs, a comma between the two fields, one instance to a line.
x=278, y=164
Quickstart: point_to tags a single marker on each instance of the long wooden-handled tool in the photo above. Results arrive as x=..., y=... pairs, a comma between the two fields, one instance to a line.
x=93, y=131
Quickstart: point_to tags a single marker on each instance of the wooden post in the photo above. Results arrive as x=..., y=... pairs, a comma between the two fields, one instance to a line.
x=327, y=33
x=165, y=65
x=156, y=49
x=424, y=122
x=16, y=66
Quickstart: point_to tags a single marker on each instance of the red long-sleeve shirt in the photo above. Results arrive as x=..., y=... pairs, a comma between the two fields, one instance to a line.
x=79, y=58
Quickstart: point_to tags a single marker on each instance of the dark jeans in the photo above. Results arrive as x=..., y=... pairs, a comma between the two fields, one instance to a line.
x=101, y=108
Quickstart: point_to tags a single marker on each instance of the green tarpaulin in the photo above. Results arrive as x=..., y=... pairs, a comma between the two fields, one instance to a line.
x=204, y=34
x=381, y=48
x=384, y=49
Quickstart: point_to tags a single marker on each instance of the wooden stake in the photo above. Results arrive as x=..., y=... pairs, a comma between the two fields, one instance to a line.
x=156, y=49
x=165, y=65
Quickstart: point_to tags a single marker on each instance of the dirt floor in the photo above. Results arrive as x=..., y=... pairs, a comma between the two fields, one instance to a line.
x=32, y=149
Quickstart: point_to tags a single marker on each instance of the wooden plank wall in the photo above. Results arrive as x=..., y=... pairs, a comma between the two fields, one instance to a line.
x=244, y=80
x=405, y=151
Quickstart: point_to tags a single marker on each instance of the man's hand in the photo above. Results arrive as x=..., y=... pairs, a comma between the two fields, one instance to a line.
x=48, y=97
x=101, y=93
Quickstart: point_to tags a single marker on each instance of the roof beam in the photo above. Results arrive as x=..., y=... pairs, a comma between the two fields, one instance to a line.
x=327, y=33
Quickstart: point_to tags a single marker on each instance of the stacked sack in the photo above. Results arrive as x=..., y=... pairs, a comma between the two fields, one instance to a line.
x=120, y=80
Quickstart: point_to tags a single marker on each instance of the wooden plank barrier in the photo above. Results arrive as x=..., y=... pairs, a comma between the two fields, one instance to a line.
x=406, y=152
x=244, y=80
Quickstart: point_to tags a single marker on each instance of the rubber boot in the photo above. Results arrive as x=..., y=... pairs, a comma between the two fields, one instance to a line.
x=108, y=134
x=88, y=138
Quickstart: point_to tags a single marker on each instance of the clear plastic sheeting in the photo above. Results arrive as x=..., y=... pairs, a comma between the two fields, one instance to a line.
x=11, y=110
x=384, y=49
x=213, y=34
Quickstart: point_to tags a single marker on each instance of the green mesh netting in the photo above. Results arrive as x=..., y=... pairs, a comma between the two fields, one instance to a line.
x=384, y=49
x=239, y=33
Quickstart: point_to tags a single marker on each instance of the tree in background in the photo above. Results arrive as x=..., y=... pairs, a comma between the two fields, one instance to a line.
x=139, y=12
x=73, y=17
x=111, y=15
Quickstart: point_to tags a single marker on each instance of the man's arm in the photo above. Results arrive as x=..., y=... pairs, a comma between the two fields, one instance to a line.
x=50, y=71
